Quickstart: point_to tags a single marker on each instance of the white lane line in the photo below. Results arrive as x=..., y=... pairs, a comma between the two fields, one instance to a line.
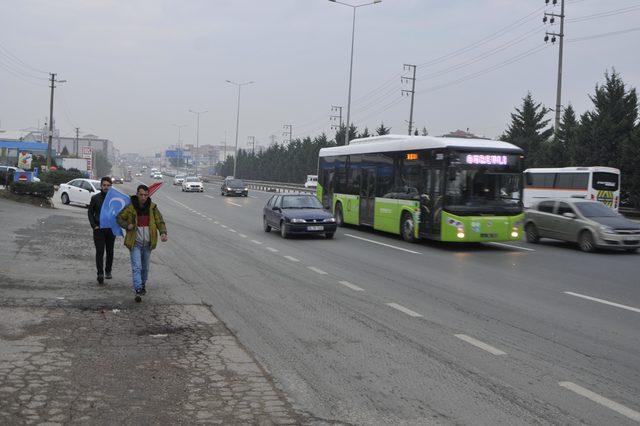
x=251, y=196
x=209, y=218
x=511, y=246
x=404, y=310
x=256, y=242
x=232, y=230
x=209, y=196
x=223, y=225
x=478, y=344
x=271, y=249
x=216, y=222
x=619, y=408
x=242, y=235
x=235, y=204
x=291, y=258
x=606, y=302
x=317, y=270
x=382, y=244
x=351, y=286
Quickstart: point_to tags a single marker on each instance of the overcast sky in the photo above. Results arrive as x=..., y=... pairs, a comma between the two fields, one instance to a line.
x=136, y=67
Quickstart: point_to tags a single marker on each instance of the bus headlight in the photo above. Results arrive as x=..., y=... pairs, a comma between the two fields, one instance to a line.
x=515, y=232
x=460, y=233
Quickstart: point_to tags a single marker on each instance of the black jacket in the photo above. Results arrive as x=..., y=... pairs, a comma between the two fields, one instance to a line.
x=94, y=209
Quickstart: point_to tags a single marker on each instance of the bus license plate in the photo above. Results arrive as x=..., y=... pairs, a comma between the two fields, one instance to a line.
x=315, y=228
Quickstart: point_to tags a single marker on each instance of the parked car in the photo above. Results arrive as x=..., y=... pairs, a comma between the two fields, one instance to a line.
x=232, y=186
x=15, y=170
x=591, y=224
x=78, y=191
x=297, y=214
x=192, y=184
x=178, y=179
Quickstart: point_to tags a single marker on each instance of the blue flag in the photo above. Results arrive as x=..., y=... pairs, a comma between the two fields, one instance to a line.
x=113, y=203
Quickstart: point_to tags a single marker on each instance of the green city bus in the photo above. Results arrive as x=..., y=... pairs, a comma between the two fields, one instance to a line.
x=447, y=189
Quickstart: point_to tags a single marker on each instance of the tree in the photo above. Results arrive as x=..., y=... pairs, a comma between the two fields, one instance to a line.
x=65, y=152
x=383, y=130
x=424, y=131
x=365, y=133
x=561, y=151
x=102, y=164
x=416, y=133
x=528, y=130
x=353, y=134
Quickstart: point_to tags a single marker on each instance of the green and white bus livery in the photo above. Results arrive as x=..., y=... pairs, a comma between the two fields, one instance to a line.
x=447, y=189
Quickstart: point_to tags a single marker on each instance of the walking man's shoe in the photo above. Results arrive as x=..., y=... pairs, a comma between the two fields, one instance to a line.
x=143, y=290
x=138, y=297
x=108, y=275
x=100, y=279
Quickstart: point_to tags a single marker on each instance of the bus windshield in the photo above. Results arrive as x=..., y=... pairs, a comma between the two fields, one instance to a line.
x=483, y=191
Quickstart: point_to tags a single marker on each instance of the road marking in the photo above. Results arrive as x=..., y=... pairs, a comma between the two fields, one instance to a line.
x=382, y=244
x=404, y=310
x=271, y=249
x=478, y=344
x=209, y=196
x=606, y=302
x=223, y=225
x=351, y=286
x=619, y=408
x=209, y=218
x=232, y=230
x=511, y=246
x=242, y=235
x=216, y=222
x=251, y=196
x=291, y=258
x=235, y=204
x=316, y=270
x=256, y=242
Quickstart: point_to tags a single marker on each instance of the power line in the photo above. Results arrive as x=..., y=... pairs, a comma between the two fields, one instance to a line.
x=6, y=52
x=612, y=33
x=605, y=14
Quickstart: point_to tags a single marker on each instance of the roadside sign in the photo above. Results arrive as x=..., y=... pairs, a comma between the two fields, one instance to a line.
x=87, y=152
x=89, y=164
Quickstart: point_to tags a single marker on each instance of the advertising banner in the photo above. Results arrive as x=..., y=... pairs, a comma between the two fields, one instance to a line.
x=24, y=160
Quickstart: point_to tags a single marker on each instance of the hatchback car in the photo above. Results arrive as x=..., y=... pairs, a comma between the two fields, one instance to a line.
x=297, y=214
x=79, y=191
x=192, y=184
x=591, y=224
x=232, y=186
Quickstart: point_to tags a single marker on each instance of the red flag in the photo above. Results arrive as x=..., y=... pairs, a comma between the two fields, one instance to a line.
x=154, y=187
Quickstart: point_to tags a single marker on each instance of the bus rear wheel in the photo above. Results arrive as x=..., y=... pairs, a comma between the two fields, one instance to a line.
x=407, y=228
x=339, y=216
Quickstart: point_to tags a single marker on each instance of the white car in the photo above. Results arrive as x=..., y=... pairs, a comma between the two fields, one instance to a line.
x=79, y=191
x=178, y=179
x=192, y=183
x=157, y=176
x=312, y=181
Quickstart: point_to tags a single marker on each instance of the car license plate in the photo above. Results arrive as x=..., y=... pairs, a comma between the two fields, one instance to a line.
x=238, y=191
x=631, y=237
x=315, y=228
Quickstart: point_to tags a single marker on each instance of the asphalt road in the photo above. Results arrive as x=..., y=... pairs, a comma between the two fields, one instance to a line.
x=368, y=329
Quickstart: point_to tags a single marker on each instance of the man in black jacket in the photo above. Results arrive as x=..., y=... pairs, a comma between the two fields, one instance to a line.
x=102, y=238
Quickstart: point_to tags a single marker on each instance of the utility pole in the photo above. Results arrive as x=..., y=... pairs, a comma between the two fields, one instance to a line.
x=409, y=67
x=338, y=109
x=252, y=140
x=197, y=113
x=288, y=133
x=53, y=86
x=554, y=36
x=77, y=141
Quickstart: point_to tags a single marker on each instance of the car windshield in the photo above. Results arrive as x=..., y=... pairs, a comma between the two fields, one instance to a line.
x=180, y=177
x=300, y=202
x=595, y=210
x=235, y=183
x=192, y=179
x=480, y=191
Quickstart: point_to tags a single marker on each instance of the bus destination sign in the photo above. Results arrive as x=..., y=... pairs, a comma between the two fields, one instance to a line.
x=487, y=159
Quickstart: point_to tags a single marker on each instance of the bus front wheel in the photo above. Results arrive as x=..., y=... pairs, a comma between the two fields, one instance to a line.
x=531, y=232
x=407, y=228
x=339, y=216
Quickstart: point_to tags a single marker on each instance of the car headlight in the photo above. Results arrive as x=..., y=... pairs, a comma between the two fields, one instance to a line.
x=297, y=220
x=607, y=229
x=246, y=189
x=330, y=220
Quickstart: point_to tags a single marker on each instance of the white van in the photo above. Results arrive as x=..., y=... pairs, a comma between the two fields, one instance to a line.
x=312, y=181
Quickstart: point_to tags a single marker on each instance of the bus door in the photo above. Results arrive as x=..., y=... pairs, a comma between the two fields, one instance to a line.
x=367, y=195
x=431, y=202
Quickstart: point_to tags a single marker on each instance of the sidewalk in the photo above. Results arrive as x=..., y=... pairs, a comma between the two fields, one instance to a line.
x=75, y=353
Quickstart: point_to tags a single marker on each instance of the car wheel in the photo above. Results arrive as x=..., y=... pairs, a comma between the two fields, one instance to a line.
x=329, y=235
x=585, y=242
x=64, y=198
x=283, y=230
x=339, y=216
x=265, y=225
x=531, y=232
x=407, y=228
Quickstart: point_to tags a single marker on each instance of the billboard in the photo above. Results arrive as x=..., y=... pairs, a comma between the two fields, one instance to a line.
x=177, y=153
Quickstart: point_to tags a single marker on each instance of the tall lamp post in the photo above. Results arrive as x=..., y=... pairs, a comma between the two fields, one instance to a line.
x=353, y=32
x=235, y=155
x=179, y=126
x=197, y=113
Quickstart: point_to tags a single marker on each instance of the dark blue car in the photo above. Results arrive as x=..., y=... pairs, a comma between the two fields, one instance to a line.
x=297, y=214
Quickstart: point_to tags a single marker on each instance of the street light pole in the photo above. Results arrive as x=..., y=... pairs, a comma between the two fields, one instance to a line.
x=197, y=113
x=235, y=155
x=353, y=33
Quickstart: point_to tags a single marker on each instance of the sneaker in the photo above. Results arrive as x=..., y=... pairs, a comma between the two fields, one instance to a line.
x=100, y=279
x=143, y=290
x=108, y=275
x=138, y=297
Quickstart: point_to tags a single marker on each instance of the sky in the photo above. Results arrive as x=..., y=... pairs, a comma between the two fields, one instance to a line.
x=135, y=68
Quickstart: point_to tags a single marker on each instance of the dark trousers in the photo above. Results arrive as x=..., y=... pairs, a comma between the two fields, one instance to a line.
x=104, y=239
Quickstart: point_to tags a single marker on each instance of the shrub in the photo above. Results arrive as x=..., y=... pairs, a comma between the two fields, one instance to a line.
x=56, y=177
x=36, y=189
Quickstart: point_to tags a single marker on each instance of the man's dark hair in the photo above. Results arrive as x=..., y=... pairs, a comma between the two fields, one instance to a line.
x=105, y=179
x=143, y=187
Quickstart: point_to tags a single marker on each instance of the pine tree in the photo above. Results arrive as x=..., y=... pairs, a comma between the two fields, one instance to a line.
x=365, y=133
x=353, y=134
x=529, y=131
x=561, y=150
x=416, y=133
x=65, y=152
x=383, y=130
x=424, y=131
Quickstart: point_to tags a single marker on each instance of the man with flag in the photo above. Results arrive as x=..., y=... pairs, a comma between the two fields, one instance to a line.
x=143, y=222
x=103, y=237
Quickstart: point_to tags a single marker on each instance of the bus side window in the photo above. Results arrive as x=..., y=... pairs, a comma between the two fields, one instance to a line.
x=528, y=179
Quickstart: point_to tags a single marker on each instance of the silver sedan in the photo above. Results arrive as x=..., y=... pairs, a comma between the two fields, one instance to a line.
x=590, y=224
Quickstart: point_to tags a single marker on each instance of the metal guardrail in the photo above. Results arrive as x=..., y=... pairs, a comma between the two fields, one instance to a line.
x=270, y=186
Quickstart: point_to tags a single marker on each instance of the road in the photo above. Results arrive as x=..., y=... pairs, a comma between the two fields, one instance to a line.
x=368, y=329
